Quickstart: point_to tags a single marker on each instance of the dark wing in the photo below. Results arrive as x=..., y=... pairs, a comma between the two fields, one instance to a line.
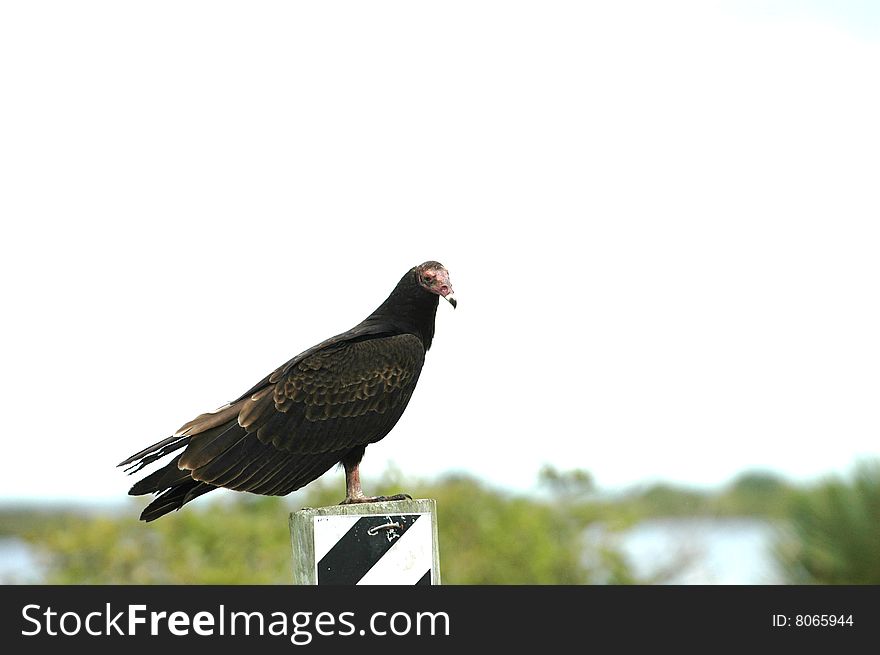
x=337, y=398
x=366, y=330
x=293, y=426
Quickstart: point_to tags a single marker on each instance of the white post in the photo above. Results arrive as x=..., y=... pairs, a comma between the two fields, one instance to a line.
x=392, y=542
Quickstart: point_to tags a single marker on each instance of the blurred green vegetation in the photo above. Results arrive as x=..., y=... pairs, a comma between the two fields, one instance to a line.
x=833, y=531
x=828, y=532
x=487, y=537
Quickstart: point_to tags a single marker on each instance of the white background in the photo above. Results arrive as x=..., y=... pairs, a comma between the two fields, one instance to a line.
x=660, y=219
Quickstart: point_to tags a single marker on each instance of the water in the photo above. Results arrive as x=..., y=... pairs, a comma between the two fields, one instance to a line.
x=18, y=562
x=698, y=550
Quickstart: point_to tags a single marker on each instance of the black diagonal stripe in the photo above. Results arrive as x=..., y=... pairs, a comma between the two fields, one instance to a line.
x=356, y=551
x=425, y=579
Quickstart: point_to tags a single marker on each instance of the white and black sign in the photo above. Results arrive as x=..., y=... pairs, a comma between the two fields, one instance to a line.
x=373, y=549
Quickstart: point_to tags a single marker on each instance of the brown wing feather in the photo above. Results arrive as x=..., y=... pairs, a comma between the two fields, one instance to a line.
x=307, y=418
x=341, y=398
x=204, y=422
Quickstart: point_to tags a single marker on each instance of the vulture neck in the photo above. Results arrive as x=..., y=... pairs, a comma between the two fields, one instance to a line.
x=408, y=310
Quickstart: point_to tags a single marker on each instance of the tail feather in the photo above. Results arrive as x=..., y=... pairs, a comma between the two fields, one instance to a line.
x=174, y=498
x=175, y=486
x=150, y=454
x=221, y=453
x=205, y=425
x=167, y=476
x=204, y=448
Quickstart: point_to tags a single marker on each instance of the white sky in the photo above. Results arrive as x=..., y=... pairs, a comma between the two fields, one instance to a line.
x=661, y=220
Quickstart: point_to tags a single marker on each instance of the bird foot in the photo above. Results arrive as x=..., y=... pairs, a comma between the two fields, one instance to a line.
x=374, y=499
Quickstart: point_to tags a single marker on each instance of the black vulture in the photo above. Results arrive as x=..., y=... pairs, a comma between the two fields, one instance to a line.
x=321, y=408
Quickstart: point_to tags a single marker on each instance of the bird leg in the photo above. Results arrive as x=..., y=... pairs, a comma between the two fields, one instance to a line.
x=353, y=491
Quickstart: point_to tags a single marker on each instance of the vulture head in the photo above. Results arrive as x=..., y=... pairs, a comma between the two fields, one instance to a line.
x=434, y=277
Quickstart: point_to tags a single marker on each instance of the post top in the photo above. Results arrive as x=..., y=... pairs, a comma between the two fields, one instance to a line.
x=418, y=505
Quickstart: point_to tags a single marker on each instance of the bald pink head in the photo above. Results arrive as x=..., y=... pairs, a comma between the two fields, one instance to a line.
x=434, y=277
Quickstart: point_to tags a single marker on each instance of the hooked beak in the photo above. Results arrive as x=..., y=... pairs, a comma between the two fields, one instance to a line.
x=443, y=287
